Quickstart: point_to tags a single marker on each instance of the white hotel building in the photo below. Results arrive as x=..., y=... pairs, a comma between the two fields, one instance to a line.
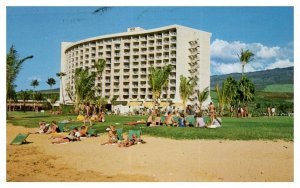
x=129, y=55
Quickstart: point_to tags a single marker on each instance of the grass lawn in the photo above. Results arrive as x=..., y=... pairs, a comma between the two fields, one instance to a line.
x=256, y=128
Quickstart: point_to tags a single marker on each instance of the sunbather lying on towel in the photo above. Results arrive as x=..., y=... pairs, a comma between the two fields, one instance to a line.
x=43, y=128
x=69, y=138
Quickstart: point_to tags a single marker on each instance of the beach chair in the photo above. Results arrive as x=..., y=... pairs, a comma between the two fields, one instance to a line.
x=163, y=119
x=19, y=139
x=120, y=134
x=132, y=132
x=176, y=119
x=61, y=127
x=72, y=127
x=191, y=120
x=91, y=132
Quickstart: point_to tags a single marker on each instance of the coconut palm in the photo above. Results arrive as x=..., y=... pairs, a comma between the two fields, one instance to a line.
x=186, y=89
x=61, y=75
x=51, y=82
x=158, y=79
x=34, y=83
x=13, y=67
x=245, y=57
x=100, y=66
x=202, y=96
x=221, y=98
x=84, y=86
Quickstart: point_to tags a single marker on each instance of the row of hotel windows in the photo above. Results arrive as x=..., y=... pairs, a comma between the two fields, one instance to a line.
x=126, y=52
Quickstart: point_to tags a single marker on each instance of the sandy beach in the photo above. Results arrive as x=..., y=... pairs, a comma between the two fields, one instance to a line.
x=159, y=160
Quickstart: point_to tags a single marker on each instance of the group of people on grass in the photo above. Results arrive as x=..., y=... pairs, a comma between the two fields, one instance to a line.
x=181, y=119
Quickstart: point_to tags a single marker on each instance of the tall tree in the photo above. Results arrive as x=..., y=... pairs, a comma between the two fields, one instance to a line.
x=202, y=96
x=61, y=75
x=84, y=86
x=34, y=83
x=13, y=67
x=186, y=89
x=245, y=57
x=159, y=78
x=230, y=87
x=51, y=82
x=246, y=90
x=221, y=98
x=100, y=66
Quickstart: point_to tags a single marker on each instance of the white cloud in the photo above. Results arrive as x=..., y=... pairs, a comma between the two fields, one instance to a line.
x=266, y=52
x=225, y=60
x=229, y=50
x=227, y=68
x=224, y=49
x=281, y=63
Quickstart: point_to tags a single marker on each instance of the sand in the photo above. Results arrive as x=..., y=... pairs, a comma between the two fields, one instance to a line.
x=159, y=160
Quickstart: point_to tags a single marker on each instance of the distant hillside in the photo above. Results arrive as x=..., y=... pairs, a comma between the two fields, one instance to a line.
x=261, y=79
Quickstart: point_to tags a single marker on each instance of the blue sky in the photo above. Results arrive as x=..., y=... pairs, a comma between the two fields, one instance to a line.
x=38, y=31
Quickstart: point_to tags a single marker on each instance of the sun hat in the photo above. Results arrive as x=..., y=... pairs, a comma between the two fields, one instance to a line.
x=108, y=129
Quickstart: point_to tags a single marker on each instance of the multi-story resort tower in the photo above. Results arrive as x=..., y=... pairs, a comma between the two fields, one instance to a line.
x=129, y=56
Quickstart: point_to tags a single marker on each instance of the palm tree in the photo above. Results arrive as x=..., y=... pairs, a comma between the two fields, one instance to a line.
x=202, y=96
x=230, y=87
x=100, y=66
x=221, y=98
x=246, y=90
x=158, y=78
x=245, y=57
x=84, y=85
x=13, y=67
x=186, y=89
x=34, y=83
x=51, y=82
x=60, y=75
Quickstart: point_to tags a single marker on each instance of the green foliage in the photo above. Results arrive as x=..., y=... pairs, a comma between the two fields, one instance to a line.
x=260, y=128
x=245, y=57
x=158, y=78
x=51, y=82
x=202, y=96
x=13, y=67
x=84, y=85
x=246, y=90
x=186, y=89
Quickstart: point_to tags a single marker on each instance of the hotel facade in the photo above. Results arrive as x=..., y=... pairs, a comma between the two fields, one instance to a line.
x=129, y=56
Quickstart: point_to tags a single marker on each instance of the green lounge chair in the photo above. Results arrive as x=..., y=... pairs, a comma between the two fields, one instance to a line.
x=132, y=132
x=19, y=139
x=91, y=132
x=120, y=134
x=72, y=127
x=163, y=119
x=176, y=119
x=61, y=127
x=191, y=120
